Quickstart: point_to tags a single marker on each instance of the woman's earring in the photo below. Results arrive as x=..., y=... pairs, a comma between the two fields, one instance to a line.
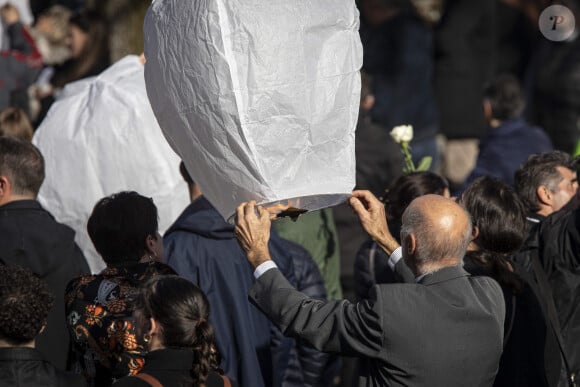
x=147, y=337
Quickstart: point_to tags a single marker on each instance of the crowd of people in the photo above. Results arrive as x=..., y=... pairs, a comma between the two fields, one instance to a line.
x=465, y=274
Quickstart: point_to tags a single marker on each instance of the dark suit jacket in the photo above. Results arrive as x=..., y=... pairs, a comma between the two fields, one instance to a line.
x=31, y=238
x=445, y=331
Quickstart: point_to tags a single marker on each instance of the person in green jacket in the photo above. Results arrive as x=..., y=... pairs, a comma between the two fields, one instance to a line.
x=316, y=232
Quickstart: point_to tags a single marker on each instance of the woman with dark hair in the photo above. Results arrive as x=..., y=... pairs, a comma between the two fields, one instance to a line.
x=172, y=314
x=499, y=220
x=89, y=45
x=371, y=267
x=99, y=308
x=88, y=41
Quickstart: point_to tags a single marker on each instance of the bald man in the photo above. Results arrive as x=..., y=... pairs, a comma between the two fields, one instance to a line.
x=444, y=330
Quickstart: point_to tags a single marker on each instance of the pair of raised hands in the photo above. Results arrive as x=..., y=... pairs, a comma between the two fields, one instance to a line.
x=253, y=225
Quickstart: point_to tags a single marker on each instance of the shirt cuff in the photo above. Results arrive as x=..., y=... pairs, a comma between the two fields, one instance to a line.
x=264, y=267
x=395, y=257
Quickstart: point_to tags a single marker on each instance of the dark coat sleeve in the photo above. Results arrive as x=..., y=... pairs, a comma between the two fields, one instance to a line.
x=338, y=326
x=404, y=273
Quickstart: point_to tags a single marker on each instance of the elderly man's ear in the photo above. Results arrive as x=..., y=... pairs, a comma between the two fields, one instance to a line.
x=472, y=244
x=409, y=244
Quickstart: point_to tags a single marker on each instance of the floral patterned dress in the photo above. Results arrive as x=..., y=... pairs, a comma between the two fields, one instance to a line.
x=105, y=344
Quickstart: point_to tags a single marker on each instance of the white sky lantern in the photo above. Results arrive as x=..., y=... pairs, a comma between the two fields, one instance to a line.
x=101, y=137
x=259, y=98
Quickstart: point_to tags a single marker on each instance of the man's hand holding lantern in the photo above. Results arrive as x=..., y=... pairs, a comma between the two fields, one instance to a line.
x=253, y=232
x=371, y=213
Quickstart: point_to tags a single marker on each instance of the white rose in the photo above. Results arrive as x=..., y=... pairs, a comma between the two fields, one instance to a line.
x=402, y=133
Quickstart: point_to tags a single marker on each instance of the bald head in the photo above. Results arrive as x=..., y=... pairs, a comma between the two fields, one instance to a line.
x=435, y=233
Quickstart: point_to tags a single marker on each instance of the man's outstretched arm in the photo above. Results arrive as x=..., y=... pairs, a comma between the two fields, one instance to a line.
x=371, y=213
x=337, y=326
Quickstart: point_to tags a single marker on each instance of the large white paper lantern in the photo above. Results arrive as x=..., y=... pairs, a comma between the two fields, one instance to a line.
x=101, y=137
x=259, y=98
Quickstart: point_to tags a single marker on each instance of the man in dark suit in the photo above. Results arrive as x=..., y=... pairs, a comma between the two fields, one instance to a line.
x=446, y=330
x=30, y=237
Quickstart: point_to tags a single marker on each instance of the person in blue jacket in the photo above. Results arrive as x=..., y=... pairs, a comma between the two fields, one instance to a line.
x=201, y=246
x=510, y=140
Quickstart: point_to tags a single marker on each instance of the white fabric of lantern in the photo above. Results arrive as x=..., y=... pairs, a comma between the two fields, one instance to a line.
x=101, y=137
x=260, y=99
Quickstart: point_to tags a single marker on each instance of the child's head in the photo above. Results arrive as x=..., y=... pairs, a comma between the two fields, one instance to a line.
x=15, y=123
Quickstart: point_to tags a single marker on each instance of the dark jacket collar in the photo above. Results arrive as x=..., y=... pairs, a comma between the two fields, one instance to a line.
x=535, y=218
x=20, y=353
x=508, y=126
x=445, y=274
x=22, y=205
x=169, y=359
x=201, y=218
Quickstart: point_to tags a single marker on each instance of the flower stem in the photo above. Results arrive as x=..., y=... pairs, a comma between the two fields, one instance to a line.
x=409, y=166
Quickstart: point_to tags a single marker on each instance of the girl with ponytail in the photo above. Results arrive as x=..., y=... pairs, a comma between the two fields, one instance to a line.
x=171, y=314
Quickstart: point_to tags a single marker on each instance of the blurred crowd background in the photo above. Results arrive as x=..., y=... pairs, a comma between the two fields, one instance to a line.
x=431, y=64
x=426, y=64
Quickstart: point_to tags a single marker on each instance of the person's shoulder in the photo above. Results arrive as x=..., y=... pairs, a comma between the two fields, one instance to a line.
x=486, y=285
x=31, y=211
x=399, y=290
x=483, y=279
x=49, y=218
x=538, y=137
x=559, y=231
x=558, y=219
